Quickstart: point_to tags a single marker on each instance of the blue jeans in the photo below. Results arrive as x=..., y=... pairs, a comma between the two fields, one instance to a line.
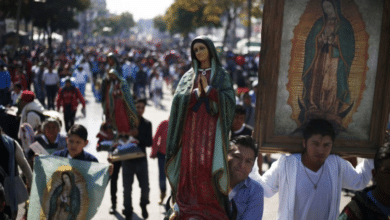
x=161, y=171
x=139, y=167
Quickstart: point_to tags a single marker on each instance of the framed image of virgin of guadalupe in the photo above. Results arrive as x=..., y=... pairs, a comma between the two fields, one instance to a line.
x=324, y=59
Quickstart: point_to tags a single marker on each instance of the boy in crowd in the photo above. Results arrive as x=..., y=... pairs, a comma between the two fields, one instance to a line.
x=310, y=183
x=76, y=141
x=239, y=127
x=374, y=201
x=246, y=195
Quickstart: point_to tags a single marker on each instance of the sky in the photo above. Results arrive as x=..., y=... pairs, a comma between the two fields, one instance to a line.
x=141, y=9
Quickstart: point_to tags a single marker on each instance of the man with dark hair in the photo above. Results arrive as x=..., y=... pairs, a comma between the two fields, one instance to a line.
x=246, y=195
x=310, y=183
x=139, y=166
x=374, y=201
x=69, y=98
x=238, y=126
x=51, y=80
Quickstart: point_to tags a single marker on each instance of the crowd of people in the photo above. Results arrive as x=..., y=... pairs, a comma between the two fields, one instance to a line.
x=213, y=174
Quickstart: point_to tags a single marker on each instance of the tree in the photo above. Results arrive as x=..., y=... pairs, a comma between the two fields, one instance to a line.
x=160, y=24
x=57, y=15
x=185, y=16
x=116, y=24
x=256, y=11
x=230, y=9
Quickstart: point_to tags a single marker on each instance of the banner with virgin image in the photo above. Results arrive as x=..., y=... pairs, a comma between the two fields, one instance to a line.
x=66, y=189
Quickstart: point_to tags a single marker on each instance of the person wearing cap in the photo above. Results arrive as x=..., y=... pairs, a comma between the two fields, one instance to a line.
x=30, y=110
x=5, y=84
x=51, y=139
x=68, y=98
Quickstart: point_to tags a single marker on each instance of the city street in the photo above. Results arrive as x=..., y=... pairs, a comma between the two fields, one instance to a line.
x=156, y=212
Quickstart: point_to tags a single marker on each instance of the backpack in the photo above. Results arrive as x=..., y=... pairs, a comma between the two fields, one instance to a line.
x=47, y=114
x=42, y=115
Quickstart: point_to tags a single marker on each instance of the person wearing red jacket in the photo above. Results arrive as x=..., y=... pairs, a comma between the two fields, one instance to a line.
x=69, y=97
x=158, y=151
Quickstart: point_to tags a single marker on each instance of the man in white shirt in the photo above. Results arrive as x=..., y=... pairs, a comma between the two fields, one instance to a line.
x=310, y=183
x=52, y=82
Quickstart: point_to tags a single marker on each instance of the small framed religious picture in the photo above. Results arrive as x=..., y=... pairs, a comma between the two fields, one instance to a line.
x=324, y=59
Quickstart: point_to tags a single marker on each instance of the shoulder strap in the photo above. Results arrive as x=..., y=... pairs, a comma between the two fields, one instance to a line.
x=40, y=114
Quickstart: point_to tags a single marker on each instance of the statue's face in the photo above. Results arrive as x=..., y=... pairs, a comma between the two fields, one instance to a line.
x=112, y=76
x=110, y=61
x=201, y=52
x=66, y=180
x=329, y=9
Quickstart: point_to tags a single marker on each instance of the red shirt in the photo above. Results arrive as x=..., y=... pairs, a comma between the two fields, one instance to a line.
x=70, y=96
x=160, y=139
x=22, y=80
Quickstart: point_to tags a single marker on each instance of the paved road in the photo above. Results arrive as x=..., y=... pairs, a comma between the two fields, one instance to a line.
x=93, y=121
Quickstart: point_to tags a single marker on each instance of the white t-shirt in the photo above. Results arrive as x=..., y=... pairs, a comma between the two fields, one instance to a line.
x=80, y=76
x=15, y=96
x=312, y=203
x=156, y=83
x=50, y=79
